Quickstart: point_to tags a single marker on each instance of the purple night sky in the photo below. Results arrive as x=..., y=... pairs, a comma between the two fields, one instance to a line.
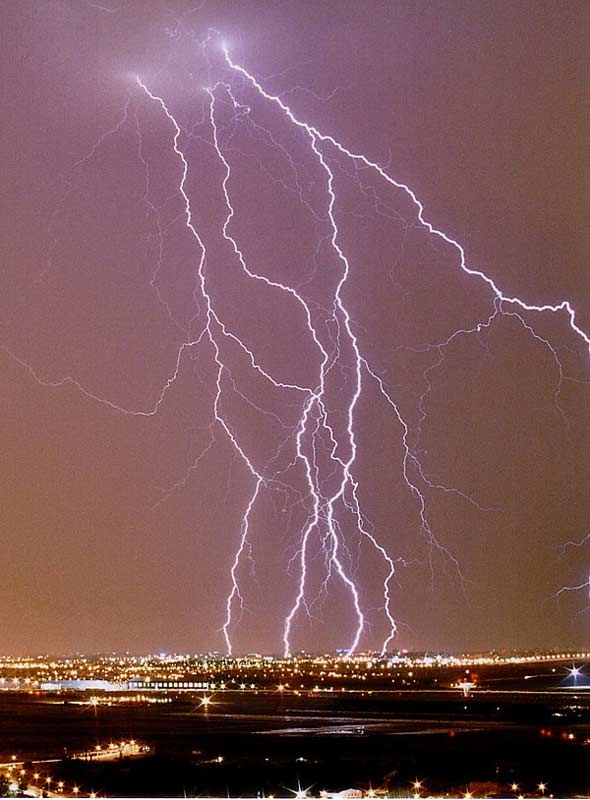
x=130, y=361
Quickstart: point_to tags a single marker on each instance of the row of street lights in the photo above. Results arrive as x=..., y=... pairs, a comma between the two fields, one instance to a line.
x=60, y=785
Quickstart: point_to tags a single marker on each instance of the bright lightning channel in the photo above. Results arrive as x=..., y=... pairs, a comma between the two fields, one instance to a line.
x=323, y=506
x=500, y=299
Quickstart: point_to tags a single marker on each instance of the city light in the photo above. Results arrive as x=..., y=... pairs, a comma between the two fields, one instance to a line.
x=575, y=673
x=366, y=673
x=301, y=794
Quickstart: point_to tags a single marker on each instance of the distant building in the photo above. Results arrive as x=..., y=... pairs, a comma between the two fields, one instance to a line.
x=138, y=685
x=83, y=686
x=147, y=685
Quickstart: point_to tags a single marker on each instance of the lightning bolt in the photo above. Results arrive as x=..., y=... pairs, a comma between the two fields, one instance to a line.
x=322, y=506
x=213, y=328
x=316, y=135
x=500, y=303
x=585, y=586
x=332, y=492
x=573, y=543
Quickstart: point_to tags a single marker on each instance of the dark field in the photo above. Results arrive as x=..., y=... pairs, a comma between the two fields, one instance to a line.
x=272, y=742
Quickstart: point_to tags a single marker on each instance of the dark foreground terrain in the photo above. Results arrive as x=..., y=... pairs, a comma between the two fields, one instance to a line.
x=249, y=743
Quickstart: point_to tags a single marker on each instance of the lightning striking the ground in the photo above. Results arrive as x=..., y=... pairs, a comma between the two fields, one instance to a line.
x=314, y=461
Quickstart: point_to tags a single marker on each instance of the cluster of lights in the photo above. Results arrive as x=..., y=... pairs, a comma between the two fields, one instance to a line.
x=126, y=699
x=418, y=789
x=57, y=787
x=417, y=786
x=213, y=672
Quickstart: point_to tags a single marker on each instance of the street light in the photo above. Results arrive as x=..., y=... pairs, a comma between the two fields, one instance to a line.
x=301, y=794
x=575, y=673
